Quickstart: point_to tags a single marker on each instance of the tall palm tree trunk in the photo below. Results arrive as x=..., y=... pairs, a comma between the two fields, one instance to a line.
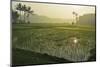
x=20, y=17
x=24, y=17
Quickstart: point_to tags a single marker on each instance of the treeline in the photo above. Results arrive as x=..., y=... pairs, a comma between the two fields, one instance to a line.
x=21, y=13
x=89, y=19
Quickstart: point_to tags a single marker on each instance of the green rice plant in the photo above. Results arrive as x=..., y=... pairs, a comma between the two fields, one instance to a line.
x=62, y=42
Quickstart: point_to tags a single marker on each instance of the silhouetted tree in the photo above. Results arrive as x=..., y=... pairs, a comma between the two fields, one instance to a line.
x=29, y=11
x=76, y=17
x=19, y=8
x=24, y=9
x=15, y=16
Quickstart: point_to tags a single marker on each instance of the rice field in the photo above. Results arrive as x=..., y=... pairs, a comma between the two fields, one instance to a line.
x=73, y=43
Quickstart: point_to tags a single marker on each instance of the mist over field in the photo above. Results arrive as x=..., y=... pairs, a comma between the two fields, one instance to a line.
x=52, y=33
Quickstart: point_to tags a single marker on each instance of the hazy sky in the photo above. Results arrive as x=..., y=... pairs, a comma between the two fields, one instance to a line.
x=57, y=10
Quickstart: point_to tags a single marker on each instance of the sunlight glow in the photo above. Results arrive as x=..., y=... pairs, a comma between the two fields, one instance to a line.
x=75, y=40
x=57, y=10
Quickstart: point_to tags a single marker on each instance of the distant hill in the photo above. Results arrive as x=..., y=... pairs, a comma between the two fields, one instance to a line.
x=87, y=19
x=43, y=19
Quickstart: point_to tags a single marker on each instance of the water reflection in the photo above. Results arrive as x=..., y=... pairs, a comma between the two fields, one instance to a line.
x=78, y=49
x=73, y=41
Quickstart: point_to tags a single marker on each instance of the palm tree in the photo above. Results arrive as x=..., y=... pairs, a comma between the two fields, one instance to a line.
x=76, y=16
x=29, y=11
x=15, y=16
x=24, y=8
x=19, y=8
